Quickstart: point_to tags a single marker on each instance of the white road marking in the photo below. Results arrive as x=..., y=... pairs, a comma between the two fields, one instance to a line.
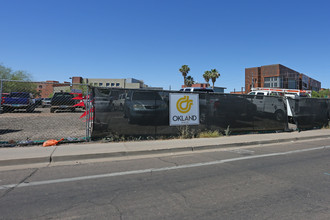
x=241, y=151
x=37, y=183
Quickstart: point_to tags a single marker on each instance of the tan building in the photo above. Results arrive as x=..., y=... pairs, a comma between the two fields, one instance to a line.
x=129, y=83
x=62, y=89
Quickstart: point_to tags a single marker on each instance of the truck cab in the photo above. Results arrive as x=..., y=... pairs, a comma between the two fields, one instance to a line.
x=18, y=100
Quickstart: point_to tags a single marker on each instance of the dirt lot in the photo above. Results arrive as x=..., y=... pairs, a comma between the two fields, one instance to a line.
x=41, y=125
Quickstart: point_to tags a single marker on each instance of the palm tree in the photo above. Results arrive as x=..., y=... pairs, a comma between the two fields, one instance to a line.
x=184, y=70
x=189, y=81
x=207, y=76
x=214, y=75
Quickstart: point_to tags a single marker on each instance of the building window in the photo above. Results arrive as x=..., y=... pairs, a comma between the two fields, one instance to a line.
x=292, y=84
x=112, y=84
x=117, y=84
x=100, y=84
x=95, y=84
x=272, y=82
x=107, y=84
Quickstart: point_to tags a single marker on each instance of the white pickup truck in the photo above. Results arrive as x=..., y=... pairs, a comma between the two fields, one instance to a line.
x=269, y=102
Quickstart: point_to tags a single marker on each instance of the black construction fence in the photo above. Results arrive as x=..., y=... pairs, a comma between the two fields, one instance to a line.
x=146, y=113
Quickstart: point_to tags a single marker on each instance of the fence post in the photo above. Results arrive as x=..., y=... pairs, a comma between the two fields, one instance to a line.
x=87, y=114
x=0, y=95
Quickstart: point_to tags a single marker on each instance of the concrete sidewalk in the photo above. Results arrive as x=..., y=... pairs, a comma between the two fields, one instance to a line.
x=83, y=151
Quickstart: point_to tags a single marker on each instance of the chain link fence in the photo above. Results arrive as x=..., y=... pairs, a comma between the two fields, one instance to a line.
x=32, y=112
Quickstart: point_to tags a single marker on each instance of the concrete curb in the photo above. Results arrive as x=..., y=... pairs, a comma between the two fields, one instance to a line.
x=177, y=150
x=62, y=158
x=24, y=161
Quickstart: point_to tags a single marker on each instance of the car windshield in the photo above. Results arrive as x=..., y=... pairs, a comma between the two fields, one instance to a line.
x=202, y=90
x=63, y=95
x=146, y=96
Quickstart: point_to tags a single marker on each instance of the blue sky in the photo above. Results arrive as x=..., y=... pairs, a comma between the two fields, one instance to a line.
x=152, y=39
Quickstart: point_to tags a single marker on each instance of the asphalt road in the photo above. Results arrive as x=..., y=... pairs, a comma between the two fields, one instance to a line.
x=282, y=181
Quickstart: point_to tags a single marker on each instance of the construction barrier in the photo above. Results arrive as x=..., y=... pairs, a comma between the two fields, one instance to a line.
x=32, y=112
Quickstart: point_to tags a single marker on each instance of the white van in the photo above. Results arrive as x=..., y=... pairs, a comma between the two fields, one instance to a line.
x=196, y=89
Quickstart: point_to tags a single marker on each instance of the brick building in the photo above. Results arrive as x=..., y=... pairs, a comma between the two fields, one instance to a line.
x=46, y=89
x=278, y=76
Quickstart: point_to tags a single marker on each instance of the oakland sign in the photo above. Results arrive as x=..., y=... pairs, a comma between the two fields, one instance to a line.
x=184, y=109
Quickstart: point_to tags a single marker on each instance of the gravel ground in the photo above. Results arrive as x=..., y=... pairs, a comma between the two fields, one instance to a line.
x=41, y=125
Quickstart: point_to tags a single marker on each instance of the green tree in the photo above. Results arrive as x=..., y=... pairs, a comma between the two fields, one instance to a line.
x=207, y=76
x=7, y=75
x=321, y=94
x=184, y=70
x=315, y=94
x=214, y=75
x=189, y=81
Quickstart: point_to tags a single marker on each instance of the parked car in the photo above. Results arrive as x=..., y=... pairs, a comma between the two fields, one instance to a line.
x=18, y=100
x=62, y=101
x=46, y=102
x=118, y=104
x=145, y=106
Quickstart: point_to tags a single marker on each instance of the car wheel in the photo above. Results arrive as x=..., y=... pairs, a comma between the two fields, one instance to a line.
x=279, y=115
x=52, y=110
x=6, y=109
x=30, y=109
x=131, y=120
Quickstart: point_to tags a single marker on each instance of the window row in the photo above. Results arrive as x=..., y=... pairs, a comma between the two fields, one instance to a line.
x=107, y=84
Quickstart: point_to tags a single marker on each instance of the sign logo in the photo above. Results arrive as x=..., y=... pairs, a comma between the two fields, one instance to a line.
x=184, y=109
x=188, y=103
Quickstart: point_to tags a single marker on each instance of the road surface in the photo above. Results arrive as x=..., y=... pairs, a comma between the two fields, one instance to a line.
x=280, y=181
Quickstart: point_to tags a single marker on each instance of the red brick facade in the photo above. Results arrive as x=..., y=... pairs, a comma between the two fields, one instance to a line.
x=278, y=76
x=46, y=89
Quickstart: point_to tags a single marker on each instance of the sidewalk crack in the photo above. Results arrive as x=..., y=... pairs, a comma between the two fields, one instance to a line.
x=159, y=158
x=51, y=156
